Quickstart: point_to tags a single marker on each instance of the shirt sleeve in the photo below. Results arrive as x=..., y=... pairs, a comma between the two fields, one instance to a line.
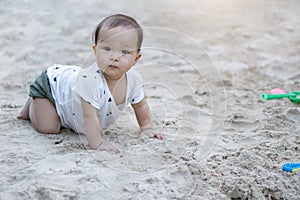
x=136, y=87
x=87, y=86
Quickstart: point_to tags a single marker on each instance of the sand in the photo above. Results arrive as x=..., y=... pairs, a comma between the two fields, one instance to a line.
x=204, y=65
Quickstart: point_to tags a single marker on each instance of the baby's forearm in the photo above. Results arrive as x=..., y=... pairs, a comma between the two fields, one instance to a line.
x=92, y=127
x=143, y=115
x=93, y=132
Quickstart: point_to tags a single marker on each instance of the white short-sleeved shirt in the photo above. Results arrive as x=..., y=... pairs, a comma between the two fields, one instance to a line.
x=70, y=83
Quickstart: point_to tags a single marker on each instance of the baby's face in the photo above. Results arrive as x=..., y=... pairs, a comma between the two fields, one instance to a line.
x=116, y=50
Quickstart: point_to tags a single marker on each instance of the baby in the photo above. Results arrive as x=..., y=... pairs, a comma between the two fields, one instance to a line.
x=89, y=99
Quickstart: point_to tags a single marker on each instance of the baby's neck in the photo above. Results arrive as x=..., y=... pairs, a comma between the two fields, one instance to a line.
x=118, y=88
x=112, y=82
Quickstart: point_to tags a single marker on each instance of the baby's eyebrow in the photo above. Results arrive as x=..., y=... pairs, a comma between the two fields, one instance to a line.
x=130, y=47
x=102, y=41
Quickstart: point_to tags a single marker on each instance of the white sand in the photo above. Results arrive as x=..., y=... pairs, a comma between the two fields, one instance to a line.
x=222, y=141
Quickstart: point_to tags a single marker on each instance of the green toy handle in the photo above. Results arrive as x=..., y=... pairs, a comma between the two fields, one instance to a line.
x=291, y=95
x=275, y=96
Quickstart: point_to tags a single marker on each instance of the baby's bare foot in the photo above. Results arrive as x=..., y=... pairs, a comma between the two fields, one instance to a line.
x=24, y=114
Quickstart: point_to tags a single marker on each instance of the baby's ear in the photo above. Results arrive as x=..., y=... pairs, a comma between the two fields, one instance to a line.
x=138, y=56
x=94, y=49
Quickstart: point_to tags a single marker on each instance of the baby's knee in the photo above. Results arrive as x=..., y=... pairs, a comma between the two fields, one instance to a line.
x=54, y=129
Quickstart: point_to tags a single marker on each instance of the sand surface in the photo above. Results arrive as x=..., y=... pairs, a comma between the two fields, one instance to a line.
x=204, y=65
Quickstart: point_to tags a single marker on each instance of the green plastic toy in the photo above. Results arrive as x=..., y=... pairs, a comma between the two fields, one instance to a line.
x=293, y=96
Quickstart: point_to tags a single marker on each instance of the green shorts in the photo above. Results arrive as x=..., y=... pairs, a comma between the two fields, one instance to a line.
x=41, y=87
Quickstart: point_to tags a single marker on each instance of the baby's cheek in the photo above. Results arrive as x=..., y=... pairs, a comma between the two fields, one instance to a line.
x=129, y=65
x=102, y=61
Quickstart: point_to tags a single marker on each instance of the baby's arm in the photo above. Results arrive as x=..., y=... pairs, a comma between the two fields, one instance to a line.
x=143, y=116
x=92, y=129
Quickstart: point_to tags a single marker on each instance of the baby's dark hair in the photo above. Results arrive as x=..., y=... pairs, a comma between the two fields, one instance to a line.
x=118, y=20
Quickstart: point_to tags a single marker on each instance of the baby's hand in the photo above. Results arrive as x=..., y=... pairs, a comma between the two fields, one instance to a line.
x=151, y=134
x=108, y=146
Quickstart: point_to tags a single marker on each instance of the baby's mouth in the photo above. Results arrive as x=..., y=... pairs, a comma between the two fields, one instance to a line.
x=113, y=66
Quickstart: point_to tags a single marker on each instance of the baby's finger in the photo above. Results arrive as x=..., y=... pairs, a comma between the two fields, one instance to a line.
x=150, y=135
x=116, y=151
x=159, y=136
x=110, y=148
x=113, y=149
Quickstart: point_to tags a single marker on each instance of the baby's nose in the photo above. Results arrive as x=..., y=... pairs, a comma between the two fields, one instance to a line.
x=115, y=56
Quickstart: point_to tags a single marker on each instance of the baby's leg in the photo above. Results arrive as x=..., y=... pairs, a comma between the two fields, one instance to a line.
x=24, y=114
x=43, y=116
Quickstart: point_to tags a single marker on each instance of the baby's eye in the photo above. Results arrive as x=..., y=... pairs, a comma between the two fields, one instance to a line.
x=107, y=48
x=125, y=52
